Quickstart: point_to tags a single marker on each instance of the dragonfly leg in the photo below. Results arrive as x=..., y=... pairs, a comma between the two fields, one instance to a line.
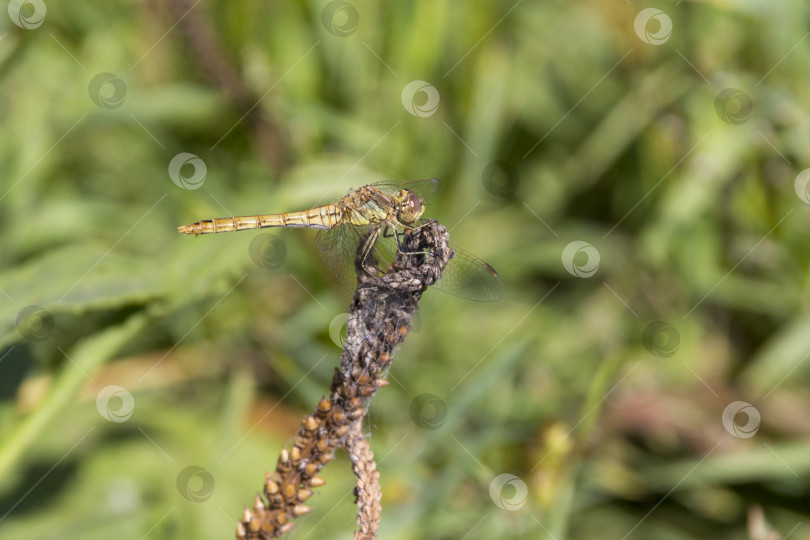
x=368, y=246
x=390, y=230
x=425, y=223
x=396, y=234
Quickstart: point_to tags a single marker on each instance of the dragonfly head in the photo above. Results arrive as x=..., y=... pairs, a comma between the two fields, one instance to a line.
x=411, y=206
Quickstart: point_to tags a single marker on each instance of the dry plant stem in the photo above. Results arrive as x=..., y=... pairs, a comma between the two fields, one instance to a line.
x=368, y=489
x=379, y=319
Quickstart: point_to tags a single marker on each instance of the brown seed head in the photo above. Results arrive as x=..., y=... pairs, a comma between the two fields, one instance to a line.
x=317, y=481
x=324, y=406
x=270, y=486
x=311, y=423
x=287, y=490
x=258, y=504
x=338, y=416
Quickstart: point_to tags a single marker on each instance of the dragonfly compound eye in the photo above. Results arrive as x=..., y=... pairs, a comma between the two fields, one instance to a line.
x=412, y=208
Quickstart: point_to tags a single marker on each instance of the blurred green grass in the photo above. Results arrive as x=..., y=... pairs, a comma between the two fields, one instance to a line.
x=613, y=141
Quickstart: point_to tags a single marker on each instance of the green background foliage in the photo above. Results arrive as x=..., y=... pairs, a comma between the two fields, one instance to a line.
x=689, y=197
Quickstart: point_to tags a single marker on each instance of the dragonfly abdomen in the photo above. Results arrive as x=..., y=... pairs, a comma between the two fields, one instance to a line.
x=322, y=217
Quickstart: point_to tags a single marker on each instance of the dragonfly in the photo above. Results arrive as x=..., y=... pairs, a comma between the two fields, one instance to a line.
x=371, y=216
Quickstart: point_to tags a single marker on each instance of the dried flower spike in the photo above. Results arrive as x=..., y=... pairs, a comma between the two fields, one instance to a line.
x=379, y=320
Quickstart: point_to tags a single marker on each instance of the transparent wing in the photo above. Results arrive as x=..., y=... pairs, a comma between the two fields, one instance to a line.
x=338, y=249
x=467, y=276
x=386, y=248
x=426, y=188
